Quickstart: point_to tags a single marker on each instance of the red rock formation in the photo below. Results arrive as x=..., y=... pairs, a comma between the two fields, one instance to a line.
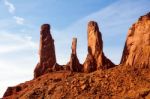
x=122, y=82
x=137, y=46
x=46, y=51
x=74, y=64
x=95, y=58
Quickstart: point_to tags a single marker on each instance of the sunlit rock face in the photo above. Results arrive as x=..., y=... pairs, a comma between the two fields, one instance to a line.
x=137, y=47
x=46, y=51
x=95, y=59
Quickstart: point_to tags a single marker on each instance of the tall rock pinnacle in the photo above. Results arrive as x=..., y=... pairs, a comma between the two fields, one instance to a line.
x=137, y=47
x=74, y=64
x=95, y=58
x=46, y=51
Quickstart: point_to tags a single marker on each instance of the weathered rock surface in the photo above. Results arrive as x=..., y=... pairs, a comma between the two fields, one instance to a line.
x=74, y=64
x=137, y=46
x=46, y=51
x=95, y=59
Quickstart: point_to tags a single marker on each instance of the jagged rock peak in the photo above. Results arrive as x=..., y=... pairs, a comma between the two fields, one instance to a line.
x=137, y=47
x=145, y=17
x=95, y=58
x=46, y=51
x=74, y=64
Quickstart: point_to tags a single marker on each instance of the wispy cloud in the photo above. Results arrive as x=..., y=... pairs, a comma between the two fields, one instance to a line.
x=15, y=43
x=19, y=20
x=11, y=7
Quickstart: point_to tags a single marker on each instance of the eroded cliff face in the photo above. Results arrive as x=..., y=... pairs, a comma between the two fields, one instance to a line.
x=46, y=51
x=137, y=46
x=95, y=59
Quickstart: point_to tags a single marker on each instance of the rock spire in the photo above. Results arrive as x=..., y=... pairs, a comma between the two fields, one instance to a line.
x=46, y=51
x=95, y=59
x=74, y=64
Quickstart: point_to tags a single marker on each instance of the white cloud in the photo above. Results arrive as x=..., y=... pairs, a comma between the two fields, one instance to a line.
x=19, y=20
x=11, y=7
x=14, y=42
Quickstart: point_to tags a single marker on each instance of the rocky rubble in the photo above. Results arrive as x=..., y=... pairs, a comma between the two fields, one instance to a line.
x=119, y=82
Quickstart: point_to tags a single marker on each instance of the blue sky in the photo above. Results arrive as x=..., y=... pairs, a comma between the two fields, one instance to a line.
x=20, y=22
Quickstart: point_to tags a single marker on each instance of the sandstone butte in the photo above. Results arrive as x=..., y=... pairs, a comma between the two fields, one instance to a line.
x=97, y=77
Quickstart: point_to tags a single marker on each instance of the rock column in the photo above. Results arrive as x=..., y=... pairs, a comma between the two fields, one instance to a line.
x=74, y=64
x=46, y=51
x=95, y=59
